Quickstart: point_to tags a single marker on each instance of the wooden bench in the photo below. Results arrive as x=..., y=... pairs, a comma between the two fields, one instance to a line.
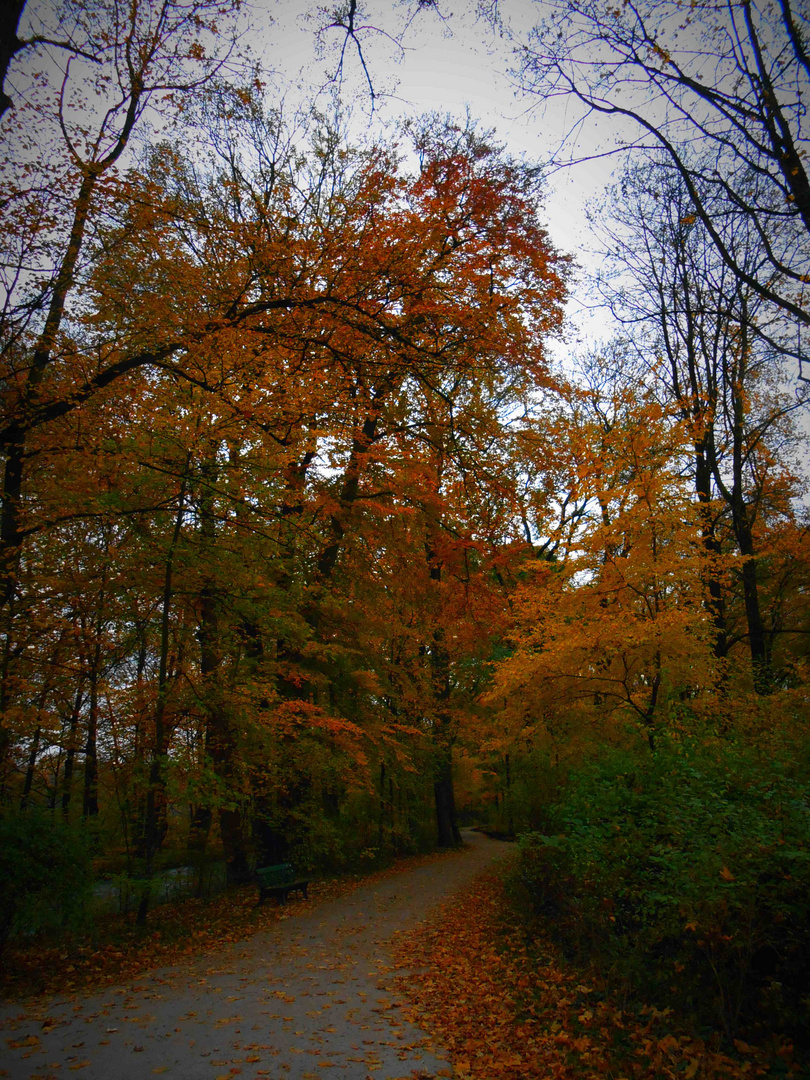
x=279, y=881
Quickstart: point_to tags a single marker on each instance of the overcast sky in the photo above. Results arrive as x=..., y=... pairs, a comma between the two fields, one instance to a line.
x=449, y=62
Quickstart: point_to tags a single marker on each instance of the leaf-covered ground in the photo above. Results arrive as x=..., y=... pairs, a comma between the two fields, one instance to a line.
x=500, y=1009
x=507, y=1012
x=116, y=951
x=294, y=998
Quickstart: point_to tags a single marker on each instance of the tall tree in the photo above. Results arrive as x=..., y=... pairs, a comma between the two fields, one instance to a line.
x=731, y=80
x=68, y=135
x=720, y=353
x=345, y=325
x=611, y=629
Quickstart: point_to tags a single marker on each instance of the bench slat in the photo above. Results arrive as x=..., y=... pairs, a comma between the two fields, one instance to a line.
x=279, y=880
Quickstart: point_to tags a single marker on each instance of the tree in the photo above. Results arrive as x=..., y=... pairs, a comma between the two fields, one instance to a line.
x=728, y=79
x=347, y=327
x=62, y=150
x=611, y=630
x=10, y=44
x=721, y=358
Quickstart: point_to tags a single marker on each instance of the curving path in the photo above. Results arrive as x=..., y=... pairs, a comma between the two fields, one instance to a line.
x=304, y=1000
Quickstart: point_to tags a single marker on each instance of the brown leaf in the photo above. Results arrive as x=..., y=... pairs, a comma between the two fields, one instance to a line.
x=29, y=1040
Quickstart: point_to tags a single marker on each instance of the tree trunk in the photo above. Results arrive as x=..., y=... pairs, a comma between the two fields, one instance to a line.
x=154, y=826
x=10, y=44
x=32, y=756
x=510, y=824
x=11, y=532
x=446, y=823
x=29, y=772
x=90, y=801
x=5, y=702
x=198, y=833
x=232, y=831
x=714, y=601
x=742, y=520
x=381, y=822
x=221, y=736
x=443, y=736
x=70, y=754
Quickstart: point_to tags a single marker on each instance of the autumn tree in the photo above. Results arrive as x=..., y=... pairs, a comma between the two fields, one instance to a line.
x=610, y=626
x=339, y=315
x=721, y=348
x=63, y=144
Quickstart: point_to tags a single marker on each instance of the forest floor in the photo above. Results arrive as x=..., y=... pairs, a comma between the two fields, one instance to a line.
x=302, y=990
x=415, y=972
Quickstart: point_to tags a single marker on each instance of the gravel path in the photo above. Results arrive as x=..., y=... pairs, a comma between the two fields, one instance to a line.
x=304, y=1000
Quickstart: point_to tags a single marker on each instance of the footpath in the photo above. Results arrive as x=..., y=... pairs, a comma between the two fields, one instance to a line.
x=309, y=998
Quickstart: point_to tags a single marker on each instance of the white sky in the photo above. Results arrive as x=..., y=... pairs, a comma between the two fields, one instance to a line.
x=447, y=65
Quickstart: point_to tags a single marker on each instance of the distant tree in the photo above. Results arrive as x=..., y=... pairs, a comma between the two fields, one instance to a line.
x=613, y=630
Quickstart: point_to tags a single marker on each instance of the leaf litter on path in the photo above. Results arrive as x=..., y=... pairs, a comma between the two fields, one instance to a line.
x=118, y=951
x=184, y=1016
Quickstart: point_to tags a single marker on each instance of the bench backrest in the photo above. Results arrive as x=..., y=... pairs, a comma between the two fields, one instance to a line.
x=276, y=875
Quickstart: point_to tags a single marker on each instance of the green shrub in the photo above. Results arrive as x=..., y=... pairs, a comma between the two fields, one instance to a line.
x=45, y=873
x=687, y=875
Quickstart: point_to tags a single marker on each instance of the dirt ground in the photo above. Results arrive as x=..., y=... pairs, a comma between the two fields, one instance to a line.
x=306, y=999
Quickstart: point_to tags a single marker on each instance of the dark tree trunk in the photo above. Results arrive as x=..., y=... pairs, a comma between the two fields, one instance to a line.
x=381, y=823
x=231, y=829
x=155, y=823
x=11, y=535
x=198, y=833
x=715, y=601
x=32, y=756
x=10, y=44
x=271, y=844
x=221, y=736
x=443, y=735
x=446, y=823
x=743, y=514
x=510, y=824
x=70, y=754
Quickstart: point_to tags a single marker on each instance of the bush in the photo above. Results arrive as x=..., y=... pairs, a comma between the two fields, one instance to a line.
x=687, y=875
x=45, y=872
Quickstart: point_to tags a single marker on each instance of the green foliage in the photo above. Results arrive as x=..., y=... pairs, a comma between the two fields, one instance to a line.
x=521, y=787
x=45, y=872
x=687, y=874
